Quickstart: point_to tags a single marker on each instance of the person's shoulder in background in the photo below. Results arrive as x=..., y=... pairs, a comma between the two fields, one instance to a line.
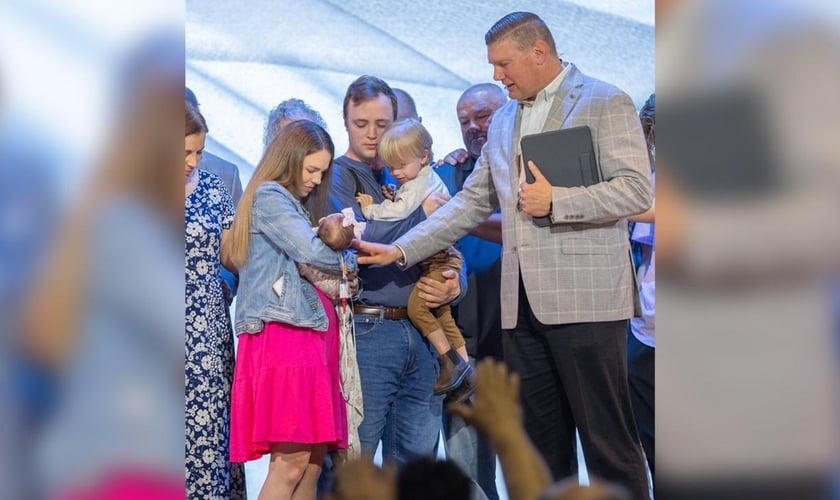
x=450, y=175
x=226, y=171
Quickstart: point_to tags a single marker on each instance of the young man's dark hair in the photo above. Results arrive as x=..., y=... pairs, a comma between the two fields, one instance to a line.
x=368, y=87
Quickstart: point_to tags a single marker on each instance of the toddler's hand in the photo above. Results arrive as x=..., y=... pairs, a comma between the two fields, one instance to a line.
x=389, y=191
x=365, y=200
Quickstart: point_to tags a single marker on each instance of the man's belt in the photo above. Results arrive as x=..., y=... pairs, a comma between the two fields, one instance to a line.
x=390, y=313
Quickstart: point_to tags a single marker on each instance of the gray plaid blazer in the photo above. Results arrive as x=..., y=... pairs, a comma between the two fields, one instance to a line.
x=578, y=269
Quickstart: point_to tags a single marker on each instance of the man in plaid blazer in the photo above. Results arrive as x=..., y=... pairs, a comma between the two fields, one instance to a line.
x=568, y=289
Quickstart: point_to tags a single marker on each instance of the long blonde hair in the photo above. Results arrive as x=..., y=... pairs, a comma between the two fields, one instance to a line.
x=282, y=162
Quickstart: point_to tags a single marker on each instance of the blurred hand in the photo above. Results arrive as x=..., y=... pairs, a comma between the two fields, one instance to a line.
x=434, y=201
x=535, y=199
x=376, y=253
x=362, y=479
x=454, y=158
x=437, y=293
x=496, y=409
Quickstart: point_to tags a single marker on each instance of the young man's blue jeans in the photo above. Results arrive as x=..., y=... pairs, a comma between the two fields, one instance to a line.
x=398, y=368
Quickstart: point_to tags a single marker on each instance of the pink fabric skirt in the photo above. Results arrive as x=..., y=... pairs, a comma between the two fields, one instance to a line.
x=286, y=389
x=130, y=485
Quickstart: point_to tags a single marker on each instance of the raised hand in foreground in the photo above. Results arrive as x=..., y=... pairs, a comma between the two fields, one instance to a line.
x=497, y=414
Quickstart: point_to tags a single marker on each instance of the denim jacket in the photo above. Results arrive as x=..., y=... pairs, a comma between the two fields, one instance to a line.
x=270, y=287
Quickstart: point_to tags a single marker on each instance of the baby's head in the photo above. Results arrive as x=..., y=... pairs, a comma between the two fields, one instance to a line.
x=405, y=147
x=333, y=233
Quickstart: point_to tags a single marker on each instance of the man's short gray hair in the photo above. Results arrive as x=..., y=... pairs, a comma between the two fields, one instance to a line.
x=290, y=109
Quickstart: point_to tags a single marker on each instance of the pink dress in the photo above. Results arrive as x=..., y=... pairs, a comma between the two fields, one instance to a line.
x=131, y=485
x=286, y=389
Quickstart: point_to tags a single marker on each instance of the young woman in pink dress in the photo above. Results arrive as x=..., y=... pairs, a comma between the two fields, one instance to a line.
x=286, y=398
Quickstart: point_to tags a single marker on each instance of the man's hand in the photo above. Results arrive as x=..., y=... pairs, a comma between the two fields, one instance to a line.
x=535, y=199
x=434, y=201
x=454, y=158
x=496, y=409
x=437, y=293
x=376, y=253
x=365, y=200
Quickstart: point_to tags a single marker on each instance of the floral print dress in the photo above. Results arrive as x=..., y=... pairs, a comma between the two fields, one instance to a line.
x=208, y=368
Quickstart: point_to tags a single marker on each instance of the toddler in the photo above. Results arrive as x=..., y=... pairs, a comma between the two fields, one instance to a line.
x=406, y=148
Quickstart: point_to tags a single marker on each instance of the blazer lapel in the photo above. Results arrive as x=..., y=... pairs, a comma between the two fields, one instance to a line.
x=507, y=117
x=565, y=99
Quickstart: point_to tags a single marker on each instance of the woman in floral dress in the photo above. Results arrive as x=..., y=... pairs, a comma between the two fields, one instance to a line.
x=209, y=358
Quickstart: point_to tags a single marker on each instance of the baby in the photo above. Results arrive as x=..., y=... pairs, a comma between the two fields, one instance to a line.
x=406, y=147
x=337, y=232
